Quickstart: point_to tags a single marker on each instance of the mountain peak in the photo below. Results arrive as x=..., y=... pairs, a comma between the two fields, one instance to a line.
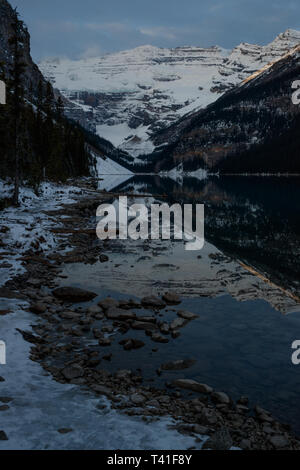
x=130, y=95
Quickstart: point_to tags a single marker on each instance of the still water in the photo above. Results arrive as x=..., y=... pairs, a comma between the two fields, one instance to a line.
x=244, y=285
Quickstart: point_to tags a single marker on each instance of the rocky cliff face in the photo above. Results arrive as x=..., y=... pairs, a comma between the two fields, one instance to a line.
x=247, y=121
x=32, y=75
x=129, y=96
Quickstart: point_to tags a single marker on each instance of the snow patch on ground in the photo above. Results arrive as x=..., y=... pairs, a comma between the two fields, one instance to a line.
x=28, y=224
x=41, y=406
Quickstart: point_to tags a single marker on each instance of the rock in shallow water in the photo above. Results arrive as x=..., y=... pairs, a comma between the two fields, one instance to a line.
x=38, y=308
x=187, y=315
x=107, y=303
x=220, y=397
x=171, y=298
x=178, y=365
x=192, y=385
x=73, y=294
x=115, y=313
x=153, y=302
x=3, y=436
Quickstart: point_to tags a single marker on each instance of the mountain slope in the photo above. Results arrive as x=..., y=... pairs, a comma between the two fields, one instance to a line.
x=36, y=141
x=32, y=75
x=127, y=97
x=253, y=128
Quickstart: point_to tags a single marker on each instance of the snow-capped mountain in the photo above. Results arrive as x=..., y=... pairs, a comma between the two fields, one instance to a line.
x=126, y=97
x=253, y=128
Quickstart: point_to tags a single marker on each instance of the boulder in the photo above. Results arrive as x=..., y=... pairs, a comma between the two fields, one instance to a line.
x=221, y=397
x=3, y=436
x=220, y=440
x=115, y=313
x=171, y=298
x=278, y=441
x=178, y=323
x=153, y=302
x=187, y=315
x=38, y=308
x=72, y=372
x=107, y=303
x=139, y=325
x=192, y=385
x=137, y=399
x=158, y=338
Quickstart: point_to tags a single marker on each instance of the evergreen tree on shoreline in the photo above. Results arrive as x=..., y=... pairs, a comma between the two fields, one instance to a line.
x=16, y=99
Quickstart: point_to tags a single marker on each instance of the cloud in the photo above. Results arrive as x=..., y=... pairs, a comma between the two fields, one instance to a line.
x=107, y=27
x=74, y=28
x=91, y=51
x=158, y=32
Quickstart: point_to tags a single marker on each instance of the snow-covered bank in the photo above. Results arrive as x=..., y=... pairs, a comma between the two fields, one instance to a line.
x=40, y=406
x=28, y=225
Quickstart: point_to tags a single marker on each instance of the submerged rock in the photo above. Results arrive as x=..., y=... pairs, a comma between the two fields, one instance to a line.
x=178, y=323
x=73, y=294
x=187, y=315
x=178, y=365
x=158, y=338
x=130, y=343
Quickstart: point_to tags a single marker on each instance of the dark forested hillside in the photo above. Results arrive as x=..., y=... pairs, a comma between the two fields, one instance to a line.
x=36, y=140
x=253, y=128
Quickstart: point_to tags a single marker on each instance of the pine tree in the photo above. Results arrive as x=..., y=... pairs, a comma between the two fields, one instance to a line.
x=17, y=97
x=60, y=108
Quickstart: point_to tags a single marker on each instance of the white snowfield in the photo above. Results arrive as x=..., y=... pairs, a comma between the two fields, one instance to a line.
x=163, y=83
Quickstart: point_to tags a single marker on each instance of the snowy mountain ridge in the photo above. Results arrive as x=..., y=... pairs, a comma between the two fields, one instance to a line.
x=126, y=97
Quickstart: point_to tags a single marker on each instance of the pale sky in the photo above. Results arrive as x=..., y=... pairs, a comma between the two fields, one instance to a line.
x=83, y=28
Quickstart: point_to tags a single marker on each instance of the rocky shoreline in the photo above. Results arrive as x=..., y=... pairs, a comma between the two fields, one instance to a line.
x=62, y=325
